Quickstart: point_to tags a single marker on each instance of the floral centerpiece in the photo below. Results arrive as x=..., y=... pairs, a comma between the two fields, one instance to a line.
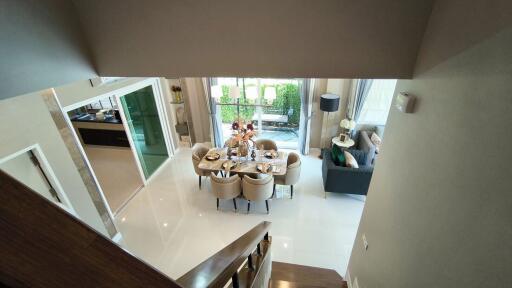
x=241, y=138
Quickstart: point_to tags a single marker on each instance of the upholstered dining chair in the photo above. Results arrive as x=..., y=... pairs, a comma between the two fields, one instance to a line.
x=198, y=152
x=257, y=189
x=226, y=188
x=267, y=144
x=292, y=173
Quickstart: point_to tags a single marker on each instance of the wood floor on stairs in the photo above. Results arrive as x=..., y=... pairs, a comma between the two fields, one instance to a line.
x=299, y=276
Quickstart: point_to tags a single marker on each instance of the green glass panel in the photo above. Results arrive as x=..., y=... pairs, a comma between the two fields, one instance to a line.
x=142, y=116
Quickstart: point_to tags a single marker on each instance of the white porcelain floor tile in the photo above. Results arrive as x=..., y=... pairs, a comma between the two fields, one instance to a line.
x=174, y=226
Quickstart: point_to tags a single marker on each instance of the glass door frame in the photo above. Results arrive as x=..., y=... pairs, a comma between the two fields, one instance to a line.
x=162, y=116
x=158, y=93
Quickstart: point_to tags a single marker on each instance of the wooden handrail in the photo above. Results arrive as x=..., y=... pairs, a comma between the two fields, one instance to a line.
x=43, y=246
x=217, y=270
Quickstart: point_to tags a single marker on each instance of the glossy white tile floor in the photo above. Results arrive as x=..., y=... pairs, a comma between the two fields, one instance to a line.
x=174, y=226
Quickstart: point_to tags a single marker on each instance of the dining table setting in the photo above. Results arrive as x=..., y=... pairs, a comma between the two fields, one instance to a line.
x=269, y=162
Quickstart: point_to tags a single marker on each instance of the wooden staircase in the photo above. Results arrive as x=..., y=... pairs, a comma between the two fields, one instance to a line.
x=285, y=275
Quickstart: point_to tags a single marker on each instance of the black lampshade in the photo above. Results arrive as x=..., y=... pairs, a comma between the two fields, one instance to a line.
x=329, y=102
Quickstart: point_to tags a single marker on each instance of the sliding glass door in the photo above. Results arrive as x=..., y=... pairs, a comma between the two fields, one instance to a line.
x=141, y=113
x=273, y=106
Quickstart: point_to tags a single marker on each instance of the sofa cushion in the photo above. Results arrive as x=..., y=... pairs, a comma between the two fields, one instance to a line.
x=359, y=155
x=376, y=140
x=338, y=157
x=350, y=160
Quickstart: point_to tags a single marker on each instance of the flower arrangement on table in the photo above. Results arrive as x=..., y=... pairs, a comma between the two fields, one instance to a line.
x=241, y=138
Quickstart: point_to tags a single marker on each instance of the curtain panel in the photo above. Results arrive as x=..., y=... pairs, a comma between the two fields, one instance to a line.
x=305, y=120
x=213, y=109
x=362, y=90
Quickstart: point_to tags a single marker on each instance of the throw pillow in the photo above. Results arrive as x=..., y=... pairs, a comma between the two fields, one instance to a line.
x=337, y=156
x=350, y=160
x=359, y=155
x=376, y=141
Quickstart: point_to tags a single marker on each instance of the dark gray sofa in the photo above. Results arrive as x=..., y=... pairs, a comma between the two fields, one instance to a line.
x=338, y=179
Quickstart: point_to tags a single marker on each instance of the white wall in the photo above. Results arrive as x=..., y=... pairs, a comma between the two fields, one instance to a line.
x=41, y=46
x=439, y=209
x=266, y=38
x=25, y=121
x=23, y=170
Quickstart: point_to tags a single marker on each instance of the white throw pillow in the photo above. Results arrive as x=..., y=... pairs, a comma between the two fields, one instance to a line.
x=350, y=161
x=376, y=141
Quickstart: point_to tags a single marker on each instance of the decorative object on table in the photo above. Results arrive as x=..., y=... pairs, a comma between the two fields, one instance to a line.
x=229, y=165
x=253, y=154
x=212, y=156
x=230, y=152
x=343, y=144
x=243, y=149
x=176, y=93
x=272, y=154
x=242, y=138
x=264, y=167
x=347, y=125
x=328, y=103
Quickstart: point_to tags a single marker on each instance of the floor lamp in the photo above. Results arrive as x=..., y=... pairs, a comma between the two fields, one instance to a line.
x=328, y=103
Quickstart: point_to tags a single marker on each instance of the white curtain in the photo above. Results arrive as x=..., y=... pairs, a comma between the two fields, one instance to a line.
x=306, y=99
x=213, y=109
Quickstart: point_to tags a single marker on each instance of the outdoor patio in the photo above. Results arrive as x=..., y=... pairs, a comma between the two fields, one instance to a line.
x=284, y=137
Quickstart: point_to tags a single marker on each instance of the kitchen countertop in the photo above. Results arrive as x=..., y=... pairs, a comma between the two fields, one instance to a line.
x=91, y=118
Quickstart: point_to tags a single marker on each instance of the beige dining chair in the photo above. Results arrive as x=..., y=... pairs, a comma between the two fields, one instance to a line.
x=292, y=173
x=267, y=144
x=226, y=188
x=198, y=152
x=257, y=189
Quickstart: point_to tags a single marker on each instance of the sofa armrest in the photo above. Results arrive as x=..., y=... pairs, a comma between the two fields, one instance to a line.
x=366, y=144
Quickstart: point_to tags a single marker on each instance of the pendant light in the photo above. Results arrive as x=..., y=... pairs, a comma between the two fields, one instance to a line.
x=251, y=93
x=270, y=94
x=216, y=91
x=234, y=92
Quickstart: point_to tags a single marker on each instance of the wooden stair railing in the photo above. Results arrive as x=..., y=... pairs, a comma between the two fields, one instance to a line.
x=244, y=262
x=41, y=245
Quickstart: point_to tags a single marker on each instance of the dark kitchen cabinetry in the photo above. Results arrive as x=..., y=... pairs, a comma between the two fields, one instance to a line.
x=104, y=137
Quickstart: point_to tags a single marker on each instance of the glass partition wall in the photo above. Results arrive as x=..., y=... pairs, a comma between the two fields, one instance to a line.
x=274, y=112
x=146, y=132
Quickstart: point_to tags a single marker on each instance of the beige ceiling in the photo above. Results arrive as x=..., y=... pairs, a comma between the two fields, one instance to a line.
x=266, y=38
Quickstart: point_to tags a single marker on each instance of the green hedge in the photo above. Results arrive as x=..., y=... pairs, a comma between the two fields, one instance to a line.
x=287, y=97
